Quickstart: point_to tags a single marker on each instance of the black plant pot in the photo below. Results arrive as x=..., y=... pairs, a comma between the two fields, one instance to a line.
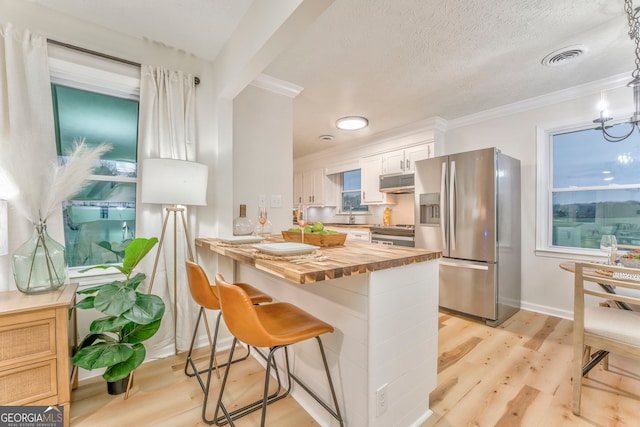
x=118, y=387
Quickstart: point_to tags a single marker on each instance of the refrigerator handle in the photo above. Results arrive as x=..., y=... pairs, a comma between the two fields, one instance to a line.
x=443, y=189
x=464, y=265
x=452, y=205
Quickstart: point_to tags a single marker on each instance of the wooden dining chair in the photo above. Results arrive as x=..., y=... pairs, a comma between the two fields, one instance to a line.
x=603, y=327
x=204, y=294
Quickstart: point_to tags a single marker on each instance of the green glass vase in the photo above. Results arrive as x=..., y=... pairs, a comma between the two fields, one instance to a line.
x=39, y=264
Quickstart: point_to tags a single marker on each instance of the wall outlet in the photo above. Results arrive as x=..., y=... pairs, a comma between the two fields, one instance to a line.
x=276, y=200
x=262, y=201
x=381, y=399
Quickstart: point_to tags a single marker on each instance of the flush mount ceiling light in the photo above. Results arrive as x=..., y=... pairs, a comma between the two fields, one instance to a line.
x=634, y=34
x=326, y=137
x=352, y=123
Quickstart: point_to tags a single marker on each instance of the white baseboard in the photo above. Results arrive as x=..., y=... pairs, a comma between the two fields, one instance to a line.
x=545, y=309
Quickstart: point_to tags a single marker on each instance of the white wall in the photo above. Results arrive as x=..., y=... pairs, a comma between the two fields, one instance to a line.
x=262, y=153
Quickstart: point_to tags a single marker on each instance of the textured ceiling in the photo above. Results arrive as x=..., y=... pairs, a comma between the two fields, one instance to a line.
x=397, y=61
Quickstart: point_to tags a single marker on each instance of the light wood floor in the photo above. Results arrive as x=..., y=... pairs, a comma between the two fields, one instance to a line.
x=515, y=375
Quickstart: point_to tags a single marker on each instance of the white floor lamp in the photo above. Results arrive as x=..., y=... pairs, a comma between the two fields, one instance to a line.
x=178, y=183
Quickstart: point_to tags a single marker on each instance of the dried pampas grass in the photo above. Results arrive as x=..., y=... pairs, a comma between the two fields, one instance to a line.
x=42, y=184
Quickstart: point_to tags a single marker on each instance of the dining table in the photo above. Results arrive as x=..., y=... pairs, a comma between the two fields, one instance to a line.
x=596, y=357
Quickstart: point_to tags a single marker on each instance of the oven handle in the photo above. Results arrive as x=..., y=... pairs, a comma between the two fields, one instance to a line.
x=390, y=237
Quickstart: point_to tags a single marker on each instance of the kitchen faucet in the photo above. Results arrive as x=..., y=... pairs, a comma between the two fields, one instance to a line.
x=352, y=219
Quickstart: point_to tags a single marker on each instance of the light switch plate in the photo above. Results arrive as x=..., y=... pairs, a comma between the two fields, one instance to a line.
x=262, y=201
x=276, y=200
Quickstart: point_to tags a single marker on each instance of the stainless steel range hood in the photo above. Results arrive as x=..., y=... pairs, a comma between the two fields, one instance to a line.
x=397, y=184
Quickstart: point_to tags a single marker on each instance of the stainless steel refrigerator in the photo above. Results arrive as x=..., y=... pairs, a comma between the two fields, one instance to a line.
x=468, y=206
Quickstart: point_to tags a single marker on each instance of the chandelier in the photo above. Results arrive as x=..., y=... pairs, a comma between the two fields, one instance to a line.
x=634, y=121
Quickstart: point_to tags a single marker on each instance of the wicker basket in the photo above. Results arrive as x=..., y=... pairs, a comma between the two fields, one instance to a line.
x=315, y=239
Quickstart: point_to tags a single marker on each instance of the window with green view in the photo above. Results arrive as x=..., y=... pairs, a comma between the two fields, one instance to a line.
x=99, y=221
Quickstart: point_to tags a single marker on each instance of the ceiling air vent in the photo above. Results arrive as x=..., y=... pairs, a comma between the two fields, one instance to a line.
x=564, y=55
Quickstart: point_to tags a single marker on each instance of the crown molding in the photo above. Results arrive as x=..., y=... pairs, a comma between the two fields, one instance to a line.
x=278, y=86
x=568, y=94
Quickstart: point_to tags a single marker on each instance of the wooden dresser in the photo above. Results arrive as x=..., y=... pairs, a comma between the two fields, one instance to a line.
x=35, y=363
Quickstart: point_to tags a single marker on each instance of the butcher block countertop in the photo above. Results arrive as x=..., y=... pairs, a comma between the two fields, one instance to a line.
x=353, y=258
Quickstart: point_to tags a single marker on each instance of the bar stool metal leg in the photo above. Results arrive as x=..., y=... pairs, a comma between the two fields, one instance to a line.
x=335, y=414
x=191, y=363
x=228, y=417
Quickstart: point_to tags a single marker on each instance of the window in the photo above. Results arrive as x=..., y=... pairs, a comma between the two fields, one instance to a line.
x=351, y=192
x=100, y=220
x=593, y=188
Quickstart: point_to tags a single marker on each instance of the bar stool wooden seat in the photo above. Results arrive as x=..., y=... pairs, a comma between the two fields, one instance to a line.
x=205, y=295
x=275, y=326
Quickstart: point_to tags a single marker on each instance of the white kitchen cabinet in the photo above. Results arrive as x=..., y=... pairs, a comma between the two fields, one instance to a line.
x=314, y=187
x=393, y=162
x=362, y=234
x=297, y=188
x=357, y=233
x=430, y=150
x=403, y=161
x=371, y=169
x=413, y=154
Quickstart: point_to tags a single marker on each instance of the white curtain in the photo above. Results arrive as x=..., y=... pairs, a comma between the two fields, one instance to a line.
x=167, y=129
x=26, y=117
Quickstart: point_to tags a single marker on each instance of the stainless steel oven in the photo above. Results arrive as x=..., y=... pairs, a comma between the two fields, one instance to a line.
x=398, y=235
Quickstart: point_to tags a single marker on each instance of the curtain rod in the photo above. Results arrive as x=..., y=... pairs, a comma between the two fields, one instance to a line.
x=103, y=55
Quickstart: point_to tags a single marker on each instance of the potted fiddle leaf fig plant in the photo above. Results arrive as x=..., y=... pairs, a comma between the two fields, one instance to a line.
x=130, y=318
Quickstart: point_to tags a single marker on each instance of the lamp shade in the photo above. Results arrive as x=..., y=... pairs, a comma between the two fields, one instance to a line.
x=174, y=182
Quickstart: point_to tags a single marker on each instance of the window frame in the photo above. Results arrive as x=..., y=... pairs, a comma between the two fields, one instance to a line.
x=364, y=209
x=544, y=192
x=94, y=74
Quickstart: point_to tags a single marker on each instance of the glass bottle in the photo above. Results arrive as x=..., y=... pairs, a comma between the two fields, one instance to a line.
x=242, y=225
x=39, y=263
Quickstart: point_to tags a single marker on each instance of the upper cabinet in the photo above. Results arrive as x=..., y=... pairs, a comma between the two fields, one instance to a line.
x=311, y=188
x=403, y=161
x=371, y=169
x=393, y=162
x=321, y=186
x=297, y=188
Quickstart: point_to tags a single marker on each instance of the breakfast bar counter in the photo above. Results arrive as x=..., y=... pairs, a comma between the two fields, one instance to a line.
x=334, y=261
x=383, y=304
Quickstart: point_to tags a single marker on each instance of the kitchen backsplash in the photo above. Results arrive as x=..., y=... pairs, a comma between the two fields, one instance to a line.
x=402, y=212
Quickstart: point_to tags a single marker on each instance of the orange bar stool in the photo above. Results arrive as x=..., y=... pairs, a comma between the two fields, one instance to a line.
x=204, y=294
x=275, y=326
